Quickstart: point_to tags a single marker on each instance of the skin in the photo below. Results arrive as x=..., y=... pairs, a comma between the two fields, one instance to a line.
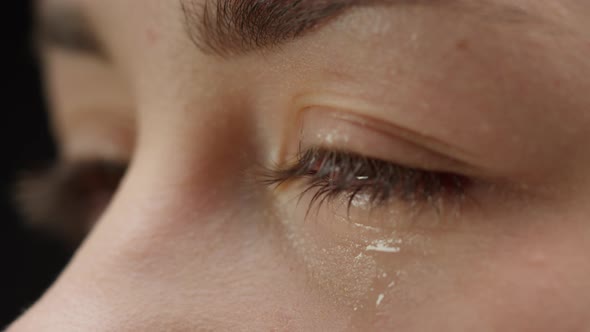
x=192, y=241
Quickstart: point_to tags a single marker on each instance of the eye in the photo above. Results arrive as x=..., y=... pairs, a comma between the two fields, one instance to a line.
x=67, y=198
x=333, y=174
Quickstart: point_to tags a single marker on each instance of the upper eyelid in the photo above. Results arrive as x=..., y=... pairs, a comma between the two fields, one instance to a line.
x=360, y=112
x=388, y=141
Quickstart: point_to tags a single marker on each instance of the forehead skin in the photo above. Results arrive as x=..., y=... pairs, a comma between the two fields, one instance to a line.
x=491, y=71
x=183, y=241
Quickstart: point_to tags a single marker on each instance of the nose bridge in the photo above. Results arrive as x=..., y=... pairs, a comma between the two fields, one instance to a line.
x=208, y=134
x=177, y=202
x=156, y=239
x=190, y=179
x=152, y=257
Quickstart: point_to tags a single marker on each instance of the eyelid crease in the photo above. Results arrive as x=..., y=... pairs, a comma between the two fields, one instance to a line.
x=348, y=109
x=448, y=158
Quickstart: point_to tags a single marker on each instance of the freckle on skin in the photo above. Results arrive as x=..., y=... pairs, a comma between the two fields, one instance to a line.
x=463, y=45
x=152, y=36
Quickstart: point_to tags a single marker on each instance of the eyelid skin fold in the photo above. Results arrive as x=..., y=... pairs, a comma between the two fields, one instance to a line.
x=340, y=156
x=374, y=138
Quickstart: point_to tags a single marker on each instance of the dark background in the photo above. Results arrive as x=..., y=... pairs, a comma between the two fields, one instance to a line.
x=29, y=262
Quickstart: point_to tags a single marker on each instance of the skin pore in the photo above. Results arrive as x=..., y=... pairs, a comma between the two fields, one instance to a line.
x=392, y=98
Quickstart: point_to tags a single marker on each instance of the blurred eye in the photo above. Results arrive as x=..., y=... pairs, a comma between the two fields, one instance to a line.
x=67, y=198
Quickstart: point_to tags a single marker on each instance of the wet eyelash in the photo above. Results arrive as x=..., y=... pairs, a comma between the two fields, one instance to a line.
x=333, y=174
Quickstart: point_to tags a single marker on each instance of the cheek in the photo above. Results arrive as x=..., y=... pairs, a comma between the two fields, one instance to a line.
x=534, y=279
x=177, y=263
x=534, y=282
x=541, y=284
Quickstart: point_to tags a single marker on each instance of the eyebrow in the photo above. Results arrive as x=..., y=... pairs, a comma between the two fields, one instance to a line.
x=228, y=27
x=234, y=27
x=67, y=27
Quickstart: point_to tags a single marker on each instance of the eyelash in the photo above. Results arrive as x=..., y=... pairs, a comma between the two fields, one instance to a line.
x=333, y=174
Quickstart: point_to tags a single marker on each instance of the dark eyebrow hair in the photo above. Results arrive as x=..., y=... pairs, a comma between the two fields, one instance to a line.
x=66, y=27
x=233, y=27
x=229, y=27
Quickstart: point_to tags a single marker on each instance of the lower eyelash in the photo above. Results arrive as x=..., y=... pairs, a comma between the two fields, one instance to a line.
x=333, y=174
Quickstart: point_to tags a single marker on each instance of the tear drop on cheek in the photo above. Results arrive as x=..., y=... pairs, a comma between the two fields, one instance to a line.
x=390, y=246
x=380, y=298
x=361, y=201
